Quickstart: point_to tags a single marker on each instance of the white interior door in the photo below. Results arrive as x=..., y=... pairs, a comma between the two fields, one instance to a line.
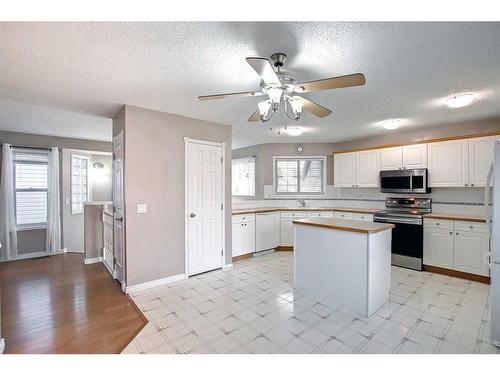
x=119, y=210
x=204, y=207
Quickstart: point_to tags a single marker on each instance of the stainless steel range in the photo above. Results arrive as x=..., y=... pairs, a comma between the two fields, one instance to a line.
x=408, y=235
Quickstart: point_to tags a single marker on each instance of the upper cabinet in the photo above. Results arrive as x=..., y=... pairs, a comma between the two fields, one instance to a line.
x=391, y=158
x=480, y=158
x=344, y=174
x=448, y=163
x=368, y=168
x=357, y=169
x=415, y=156
x=404, y=157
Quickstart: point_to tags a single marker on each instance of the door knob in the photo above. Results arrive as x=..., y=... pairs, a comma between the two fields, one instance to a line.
x=119, y=219
x=192, y=215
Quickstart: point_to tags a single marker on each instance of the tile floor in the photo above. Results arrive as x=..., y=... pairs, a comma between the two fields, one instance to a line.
x=253, y=309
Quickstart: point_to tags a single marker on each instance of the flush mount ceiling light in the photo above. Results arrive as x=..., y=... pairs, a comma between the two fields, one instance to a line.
x=98, y=165
x=461, y=100
x=391, y=124
x=280, y=87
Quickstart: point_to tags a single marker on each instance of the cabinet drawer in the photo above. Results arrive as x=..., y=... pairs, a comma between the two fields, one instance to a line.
x=294, y=214
x=343, y=215
x=470, y=226
x=319, y=214
x=243, y=218
x=438, y=224
x=362, y=216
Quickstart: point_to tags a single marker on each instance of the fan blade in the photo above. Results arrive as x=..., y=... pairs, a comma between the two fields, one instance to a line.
x=264, y=69
x=315, y=108
x=255, y=116
x=222, y=96
x=350, y=80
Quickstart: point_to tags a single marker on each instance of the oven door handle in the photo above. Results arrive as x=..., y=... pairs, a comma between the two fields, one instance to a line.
x=398, y=220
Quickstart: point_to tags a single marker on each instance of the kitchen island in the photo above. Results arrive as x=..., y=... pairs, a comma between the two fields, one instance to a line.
x=343, y=263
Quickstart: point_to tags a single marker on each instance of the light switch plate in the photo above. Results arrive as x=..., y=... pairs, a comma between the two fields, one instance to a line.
x=142, y=208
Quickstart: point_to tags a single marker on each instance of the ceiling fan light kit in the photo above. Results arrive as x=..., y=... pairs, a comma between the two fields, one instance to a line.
x=281, y=86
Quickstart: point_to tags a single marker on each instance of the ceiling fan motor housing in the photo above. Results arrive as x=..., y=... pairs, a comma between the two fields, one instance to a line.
x=278, y=59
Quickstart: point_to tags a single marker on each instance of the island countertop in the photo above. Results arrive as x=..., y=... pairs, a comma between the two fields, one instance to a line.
x=345, y=225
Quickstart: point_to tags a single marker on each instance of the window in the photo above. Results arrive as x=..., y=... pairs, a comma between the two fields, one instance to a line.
x=299, y=175
x=79, y=183
x=243, y=176
x=30, y=187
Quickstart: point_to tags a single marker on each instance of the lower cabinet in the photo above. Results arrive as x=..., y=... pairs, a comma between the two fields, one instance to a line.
x=462, y=246
x=267, y=230
x=287, y=226
x=243, y=234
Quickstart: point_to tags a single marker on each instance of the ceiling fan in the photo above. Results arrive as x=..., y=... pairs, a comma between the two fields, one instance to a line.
x=281, y=87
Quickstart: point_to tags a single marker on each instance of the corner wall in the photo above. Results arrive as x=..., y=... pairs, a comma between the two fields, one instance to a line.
x=154, y=174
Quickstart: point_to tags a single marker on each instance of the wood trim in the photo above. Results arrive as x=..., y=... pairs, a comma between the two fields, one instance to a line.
x=241, y=257
x=459, y=274
x=284, y=248
x=433, y=140
x=141, y=315
x=348, y=226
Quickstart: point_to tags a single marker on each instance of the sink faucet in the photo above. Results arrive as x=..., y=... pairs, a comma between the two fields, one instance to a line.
x=302, y=203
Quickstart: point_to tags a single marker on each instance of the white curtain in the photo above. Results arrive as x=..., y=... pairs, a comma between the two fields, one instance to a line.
x=53, y=237
x=8, y=235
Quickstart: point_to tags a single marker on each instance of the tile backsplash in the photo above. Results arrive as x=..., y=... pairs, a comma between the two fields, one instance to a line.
x=444, y=200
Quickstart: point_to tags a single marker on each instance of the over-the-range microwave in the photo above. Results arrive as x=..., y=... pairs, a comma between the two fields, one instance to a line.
x=404, y=181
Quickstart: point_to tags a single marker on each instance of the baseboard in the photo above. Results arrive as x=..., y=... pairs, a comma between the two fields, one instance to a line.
x=241, y=257
x=2, y=345
x=228, y=266
x=93, y=260
x=152, y=284
x=284, y=248
x=459, y=274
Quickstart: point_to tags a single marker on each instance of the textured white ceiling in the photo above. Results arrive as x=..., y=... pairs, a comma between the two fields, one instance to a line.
x=93, y=68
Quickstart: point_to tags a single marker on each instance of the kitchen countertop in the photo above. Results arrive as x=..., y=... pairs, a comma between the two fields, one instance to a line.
x=273, y=209
x=460, y=217
x=367, y=227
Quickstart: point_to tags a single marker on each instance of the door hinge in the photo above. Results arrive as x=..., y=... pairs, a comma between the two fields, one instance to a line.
x=222, y=206
x=221, y=160
x=222, y=252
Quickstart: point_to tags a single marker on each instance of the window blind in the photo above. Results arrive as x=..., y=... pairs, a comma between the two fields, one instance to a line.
x=30, y=187
x=299, y=175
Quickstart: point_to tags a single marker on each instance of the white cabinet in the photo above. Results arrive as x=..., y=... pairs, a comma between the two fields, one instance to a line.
x=391, y=158
x=456, y=245
x=243, y=234
x=267, y=230
x=438, y=248
x=320, y=214
x=480, y=158
x=343, y=215
x=448, y=163
x=287, y=226
x=362, y=216
x=470, y=250
x=344, y=166
x=415, y=156
x=404, y=157
x=368, y=168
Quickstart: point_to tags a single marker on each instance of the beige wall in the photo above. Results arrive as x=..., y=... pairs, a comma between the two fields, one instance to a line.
x=154, y=174
x=34, y=240
x=264, y=153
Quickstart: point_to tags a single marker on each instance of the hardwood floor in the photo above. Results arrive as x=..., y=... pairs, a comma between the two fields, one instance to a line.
x=57, y=305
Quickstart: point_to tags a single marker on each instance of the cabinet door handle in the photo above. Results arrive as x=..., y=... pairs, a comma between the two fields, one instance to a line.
x=471, y=227
x=465, y=184
x=456, y=233
x=438, y=223
x=451, y=232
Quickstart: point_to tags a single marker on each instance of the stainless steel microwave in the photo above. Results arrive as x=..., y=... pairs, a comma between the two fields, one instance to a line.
x=409, y=181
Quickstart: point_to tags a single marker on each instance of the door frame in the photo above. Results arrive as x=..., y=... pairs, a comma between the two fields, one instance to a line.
x=222, y=145
x=120, y=137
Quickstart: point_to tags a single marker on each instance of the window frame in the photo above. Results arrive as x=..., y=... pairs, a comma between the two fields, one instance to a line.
x=252, y=158
x=87, y=158
x=31, y=226
x=299, y=193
